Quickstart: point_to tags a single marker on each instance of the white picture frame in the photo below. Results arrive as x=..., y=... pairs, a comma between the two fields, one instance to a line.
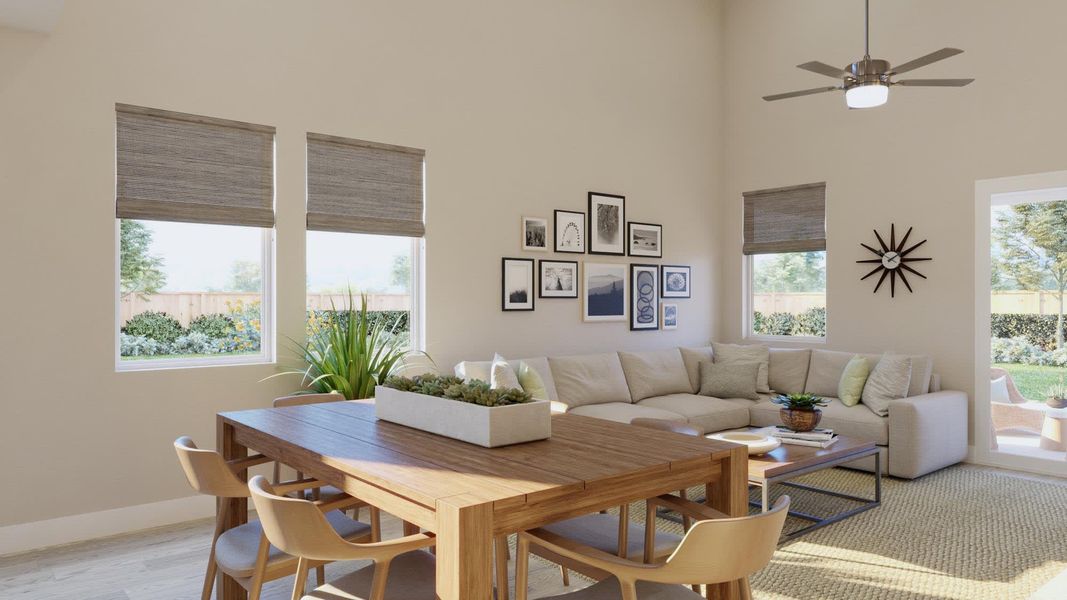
x=535, y=234
x=668, y=315
x=604, y=292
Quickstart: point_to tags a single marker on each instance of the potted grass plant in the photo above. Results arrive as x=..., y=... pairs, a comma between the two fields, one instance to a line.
x=1056, y=396
x=800, y=412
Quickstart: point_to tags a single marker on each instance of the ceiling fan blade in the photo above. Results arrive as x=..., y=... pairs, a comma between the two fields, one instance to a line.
x=818, y=90
x=824, y=69
x=934, y=82
x=922, y=61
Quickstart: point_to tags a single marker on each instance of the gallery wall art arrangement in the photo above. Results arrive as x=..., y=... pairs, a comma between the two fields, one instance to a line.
x=609, y=291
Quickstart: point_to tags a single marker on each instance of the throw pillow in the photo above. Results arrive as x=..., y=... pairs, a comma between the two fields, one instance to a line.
x=998, y=390
x=850, y=388
x=729, y=354
x=501, y=375
x=531, y=381
x=735, y=380
x=888, y=382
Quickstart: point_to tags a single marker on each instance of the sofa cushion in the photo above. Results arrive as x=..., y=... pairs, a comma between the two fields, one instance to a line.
x=738, y=353
x=850, y=388
x=692, y=357
x=624, y=412
x=888, y=381
x=854, y=421
x=712, y=414
x=655, y=373
x=827, y=366
x=502, y=375
x=736, y=380
x=470, y=370
x=788, y=369
x=589, y=379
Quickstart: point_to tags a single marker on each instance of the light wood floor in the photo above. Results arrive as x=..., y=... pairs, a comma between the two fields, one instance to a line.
x=168, y=563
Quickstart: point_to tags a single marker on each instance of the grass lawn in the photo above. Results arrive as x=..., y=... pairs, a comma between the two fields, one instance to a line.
x=1034, y=380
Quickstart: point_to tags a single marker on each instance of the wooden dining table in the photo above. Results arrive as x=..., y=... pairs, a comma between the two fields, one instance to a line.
x=468, y=495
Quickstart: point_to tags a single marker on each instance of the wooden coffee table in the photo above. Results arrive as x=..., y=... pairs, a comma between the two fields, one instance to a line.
x=789, y=461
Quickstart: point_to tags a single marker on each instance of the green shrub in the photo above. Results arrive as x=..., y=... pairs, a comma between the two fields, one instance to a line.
x=157, y=326
x=213, y=326
x=811, y=322
x=1039, y=330
x=394, y=322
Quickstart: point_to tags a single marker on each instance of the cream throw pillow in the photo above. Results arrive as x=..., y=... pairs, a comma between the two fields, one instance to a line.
x=888, y=382
x=850, y=388
x=998, y=390
x=728, y=354
x=735, y=380
x=502, y=376
x=531, y=381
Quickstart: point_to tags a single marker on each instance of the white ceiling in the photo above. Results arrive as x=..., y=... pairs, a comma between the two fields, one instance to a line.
x=31, y=15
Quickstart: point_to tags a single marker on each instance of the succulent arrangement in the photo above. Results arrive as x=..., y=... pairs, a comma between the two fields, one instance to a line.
x=800, y=401
x=454, y=388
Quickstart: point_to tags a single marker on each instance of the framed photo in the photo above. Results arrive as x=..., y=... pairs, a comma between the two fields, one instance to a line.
x=604, y=288
x=669, y=315
x=676, y=281
x=607, y=216
x=535, y=234
x=558, y=279
x=644, y=239
x=644, y=297
x=570, y=231
x=517, y=284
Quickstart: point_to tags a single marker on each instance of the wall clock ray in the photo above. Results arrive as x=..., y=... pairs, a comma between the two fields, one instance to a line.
x=893, y=259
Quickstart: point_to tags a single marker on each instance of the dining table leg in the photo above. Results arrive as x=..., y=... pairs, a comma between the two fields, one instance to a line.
x=730, y=495
x=464, y=548
x=236, y=509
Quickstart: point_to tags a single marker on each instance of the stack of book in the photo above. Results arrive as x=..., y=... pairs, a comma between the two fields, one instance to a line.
x=818, y=438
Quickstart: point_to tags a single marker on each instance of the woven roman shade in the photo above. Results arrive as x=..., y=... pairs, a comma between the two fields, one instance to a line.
x=178, y=167
x=789, y=219
x=363, y=187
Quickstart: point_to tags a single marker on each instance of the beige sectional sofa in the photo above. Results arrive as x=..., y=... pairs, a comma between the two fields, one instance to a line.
x=922, y=433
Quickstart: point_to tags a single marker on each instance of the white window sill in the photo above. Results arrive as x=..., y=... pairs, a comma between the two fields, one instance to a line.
x=799, y=339
x=190, y=363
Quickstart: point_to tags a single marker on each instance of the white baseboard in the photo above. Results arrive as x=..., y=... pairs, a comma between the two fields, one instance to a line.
x=76, y=528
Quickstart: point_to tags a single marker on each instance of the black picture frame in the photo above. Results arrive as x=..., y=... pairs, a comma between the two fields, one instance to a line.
x=630, y=239
x=541, y=284
x=560, y=232
x=644, y=306
x=505, y=300
x=664, y=292
x=591, y=242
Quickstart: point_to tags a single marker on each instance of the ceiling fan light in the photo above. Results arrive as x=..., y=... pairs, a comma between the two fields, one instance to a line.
x=867, y=95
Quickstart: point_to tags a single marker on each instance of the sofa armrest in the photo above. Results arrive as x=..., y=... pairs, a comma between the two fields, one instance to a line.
x=927, y=432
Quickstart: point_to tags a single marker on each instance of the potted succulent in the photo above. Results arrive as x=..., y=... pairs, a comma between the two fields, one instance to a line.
x=800, y=412
x=1056, y=396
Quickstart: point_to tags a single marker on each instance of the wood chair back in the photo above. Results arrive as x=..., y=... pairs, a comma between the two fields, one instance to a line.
x=207, y=471
x=1014, y=394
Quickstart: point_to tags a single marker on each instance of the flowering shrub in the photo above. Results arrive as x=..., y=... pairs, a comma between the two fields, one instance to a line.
x=1020, y=350
x=811, y=322
x=159, y=334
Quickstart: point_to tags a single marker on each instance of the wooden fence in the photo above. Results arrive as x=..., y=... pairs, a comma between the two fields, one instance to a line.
x=186, y=306
x=1024, y=302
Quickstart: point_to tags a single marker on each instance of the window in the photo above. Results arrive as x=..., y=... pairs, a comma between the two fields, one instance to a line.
x=785, y=252
x=194, y=204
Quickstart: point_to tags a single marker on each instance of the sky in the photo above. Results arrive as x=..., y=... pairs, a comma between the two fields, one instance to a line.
x=199, y=257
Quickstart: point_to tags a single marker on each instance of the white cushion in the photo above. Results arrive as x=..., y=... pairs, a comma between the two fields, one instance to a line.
x=853, y=421
x=737, y=353
x=998, y=390
x=827, y=366
x=654, y=373
x=624, y=412
x=710, y=414
x=470, y=370
x=589, y=379
x=692, y=357
x=788, y=369
x=237, y=548
x=888, y=382
x=502, y=375
x=411, y=575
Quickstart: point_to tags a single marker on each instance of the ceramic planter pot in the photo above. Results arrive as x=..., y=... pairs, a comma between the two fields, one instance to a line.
x=1057, y=402
x=800, y=420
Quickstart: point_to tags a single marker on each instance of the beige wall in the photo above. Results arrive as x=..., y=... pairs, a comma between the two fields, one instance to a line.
x=913, y=162
x=522, y=107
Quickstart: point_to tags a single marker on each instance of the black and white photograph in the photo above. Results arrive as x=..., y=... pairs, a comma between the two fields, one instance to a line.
x=558, y=279
x=676, y=281
x=644, y=297
x=645, y=239
x=535, y=234
x=570, y=231
x=607, y=220
x=605, y=292
x=517, y=284
x=669, y=315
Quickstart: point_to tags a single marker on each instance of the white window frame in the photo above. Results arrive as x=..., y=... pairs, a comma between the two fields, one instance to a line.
x=748, y=289
x=267, y=350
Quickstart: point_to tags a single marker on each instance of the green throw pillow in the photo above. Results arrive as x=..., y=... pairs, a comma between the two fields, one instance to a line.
x=531, y=381
x=850, y=388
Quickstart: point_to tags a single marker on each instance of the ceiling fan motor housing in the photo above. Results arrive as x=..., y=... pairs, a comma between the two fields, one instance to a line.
x=866, y=72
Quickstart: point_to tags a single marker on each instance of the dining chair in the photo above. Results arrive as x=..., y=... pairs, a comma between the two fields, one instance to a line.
x=718, y=549
x=617, y=534
x=243, y=552
x=401, y=570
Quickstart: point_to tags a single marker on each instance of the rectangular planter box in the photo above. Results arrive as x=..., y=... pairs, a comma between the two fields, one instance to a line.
x=482, y=425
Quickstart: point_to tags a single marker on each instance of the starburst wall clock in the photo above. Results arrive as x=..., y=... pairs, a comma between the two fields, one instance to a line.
x=893, y=259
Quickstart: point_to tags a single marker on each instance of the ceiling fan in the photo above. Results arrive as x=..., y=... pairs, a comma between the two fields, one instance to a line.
x=866, y=82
